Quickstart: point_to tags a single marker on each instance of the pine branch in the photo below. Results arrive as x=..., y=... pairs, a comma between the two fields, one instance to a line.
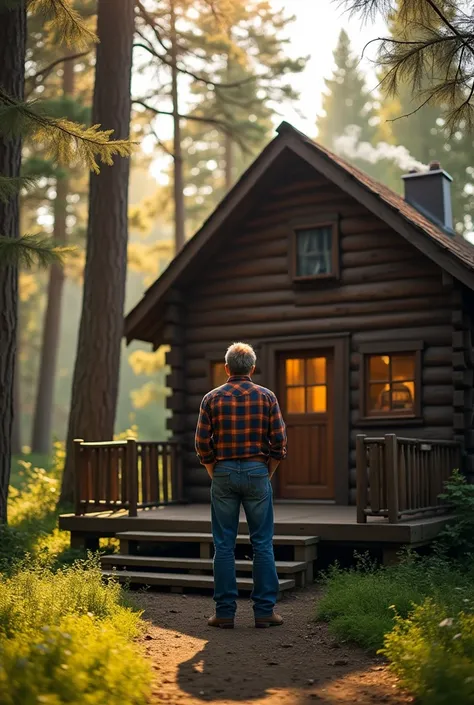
x=69, y=24
x=31, y=250
x=11, y=185
x=41, y=75
x=63, y=140
x=225, y=126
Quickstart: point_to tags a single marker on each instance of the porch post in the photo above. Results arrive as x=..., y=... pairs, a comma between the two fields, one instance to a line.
x=361, y=479
x=132, y=472
x=391, y=476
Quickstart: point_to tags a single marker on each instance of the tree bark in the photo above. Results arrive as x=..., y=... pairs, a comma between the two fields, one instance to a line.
x=178, y=182
x=42, y=422
x=96, y=372
x=229, y=162
x=12, y=79
x=16, y=425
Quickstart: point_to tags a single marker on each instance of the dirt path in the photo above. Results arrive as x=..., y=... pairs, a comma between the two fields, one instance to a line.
x=296, y=664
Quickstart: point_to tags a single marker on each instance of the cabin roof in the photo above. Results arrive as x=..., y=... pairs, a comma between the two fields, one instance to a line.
x=452, y=253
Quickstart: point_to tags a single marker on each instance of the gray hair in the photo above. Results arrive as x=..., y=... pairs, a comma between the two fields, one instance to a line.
x=241, y=358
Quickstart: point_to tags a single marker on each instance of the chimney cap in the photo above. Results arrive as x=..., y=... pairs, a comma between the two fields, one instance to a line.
x=435, y=165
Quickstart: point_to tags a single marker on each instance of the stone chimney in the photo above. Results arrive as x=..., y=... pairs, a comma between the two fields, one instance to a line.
x=430, y=193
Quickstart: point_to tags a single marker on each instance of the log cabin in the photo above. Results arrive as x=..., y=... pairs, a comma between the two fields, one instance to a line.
x=359, y=304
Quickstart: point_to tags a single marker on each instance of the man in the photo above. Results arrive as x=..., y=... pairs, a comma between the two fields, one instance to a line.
x=240, y=440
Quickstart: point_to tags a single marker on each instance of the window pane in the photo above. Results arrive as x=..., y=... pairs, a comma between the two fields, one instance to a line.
x=295, y=400
x=313, y=251
x=403, y=367
x=379, y=368
x=379, y=398
x=294, y=372
x=316, y=398
x=316, y=370
x=218, y=374
x=403, y=396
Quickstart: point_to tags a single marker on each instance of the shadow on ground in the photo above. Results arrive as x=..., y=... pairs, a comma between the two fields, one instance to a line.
x=298, y=663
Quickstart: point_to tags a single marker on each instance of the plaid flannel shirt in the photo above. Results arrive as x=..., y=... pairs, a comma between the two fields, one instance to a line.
x=240, y=419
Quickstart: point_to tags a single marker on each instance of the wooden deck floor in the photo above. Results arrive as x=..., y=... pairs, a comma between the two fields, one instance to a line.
x=329, y=522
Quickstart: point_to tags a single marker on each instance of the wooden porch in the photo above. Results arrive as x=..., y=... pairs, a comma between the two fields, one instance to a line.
x=134, y=490
x=330, y=522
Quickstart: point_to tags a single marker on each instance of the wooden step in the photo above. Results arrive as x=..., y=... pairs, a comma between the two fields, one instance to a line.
x=194, y=537
x=119, y=559
x=179, y=580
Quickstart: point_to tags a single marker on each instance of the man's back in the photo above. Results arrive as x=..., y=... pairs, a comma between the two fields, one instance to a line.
x=240, y=419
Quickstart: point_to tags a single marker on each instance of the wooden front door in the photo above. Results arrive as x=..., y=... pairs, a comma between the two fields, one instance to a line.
x=306, y=397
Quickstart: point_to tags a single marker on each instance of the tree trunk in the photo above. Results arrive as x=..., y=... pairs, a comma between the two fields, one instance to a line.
x=96, y=372
x=16, y=426
x=178, y=183
x=12, y=79
x=42, y=422
x=229, y=162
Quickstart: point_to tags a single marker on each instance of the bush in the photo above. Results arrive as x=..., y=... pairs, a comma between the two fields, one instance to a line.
x=433, y=653
x=33, y=515
x=67, y=637
x=35, y=596
x=359, y=603
x=80, y=661
x=457, y=539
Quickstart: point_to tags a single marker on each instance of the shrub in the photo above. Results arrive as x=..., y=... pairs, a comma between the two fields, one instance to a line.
x=33, y=515
x=67, y=637
x=35, y=596
x=81, y=661
x=457, y=539
x=359, y=603
x=433, y=653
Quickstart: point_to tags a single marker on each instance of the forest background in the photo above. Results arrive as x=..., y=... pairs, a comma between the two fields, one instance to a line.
x=282, y=59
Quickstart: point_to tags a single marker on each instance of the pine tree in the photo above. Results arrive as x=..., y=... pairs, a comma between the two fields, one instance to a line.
x=96, y=371
x=422, y=128
x=441, y=47
x=63, y=140
x=12, y=52
x=238, y=72
x=346, y=101
x=41, y=437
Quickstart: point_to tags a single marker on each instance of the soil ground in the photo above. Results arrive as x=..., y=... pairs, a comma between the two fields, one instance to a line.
x=296, y=664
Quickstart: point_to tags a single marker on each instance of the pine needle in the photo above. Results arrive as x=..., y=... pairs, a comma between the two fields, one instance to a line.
x=62, y=140
x=10, y=186
x=30, y=250
x=68, y=23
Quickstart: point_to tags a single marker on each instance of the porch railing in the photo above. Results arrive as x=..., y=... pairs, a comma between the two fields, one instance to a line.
x=127, y=474
x=397, y=477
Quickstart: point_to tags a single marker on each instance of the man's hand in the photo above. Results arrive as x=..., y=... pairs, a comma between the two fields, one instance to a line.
x=210, y=469
x=272, y=466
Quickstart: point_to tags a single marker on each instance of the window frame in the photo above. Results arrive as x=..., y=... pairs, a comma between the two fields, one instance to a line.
x=284, y=386
x=391, y=418
x=332, y=223
x=211, y=361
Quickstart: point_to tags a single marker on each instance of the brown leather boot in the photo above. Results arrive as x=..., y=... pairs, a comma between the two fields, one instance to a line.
x=274, y=620
x=221, y=622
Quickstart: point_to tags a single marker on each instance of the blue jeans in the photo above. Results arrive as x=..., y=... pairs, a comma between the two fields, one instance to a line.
x=246, y=482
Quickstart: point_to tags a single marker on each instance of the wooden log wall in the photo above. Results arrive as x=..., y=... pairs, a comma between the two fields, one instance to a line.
x=463, y=375
x=388, y=291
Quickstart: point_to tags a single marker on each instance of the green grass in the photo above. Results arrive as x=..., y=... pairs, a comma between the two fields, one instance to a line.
x=68, y=637
x=360, y=604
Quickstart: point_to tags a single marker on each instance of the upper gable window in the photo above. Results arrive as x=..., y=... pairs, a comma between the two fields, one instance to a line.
x=315, y=252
